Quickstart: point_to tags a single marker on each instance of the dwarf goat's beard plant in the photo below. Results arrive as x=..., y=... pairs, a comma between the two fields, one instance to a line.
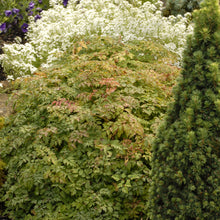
x=78, y=145
x=59, y=26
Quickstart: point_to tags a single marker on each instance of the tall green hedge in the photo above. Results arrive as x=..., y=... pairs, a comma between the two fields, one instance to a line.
x=78, y=146
x=186, y=151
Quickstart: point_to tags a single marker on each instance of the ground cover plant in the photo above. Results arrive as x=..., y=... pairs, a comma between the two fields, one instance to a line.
x=59, y=26
x=78, y=144
x=186, y=151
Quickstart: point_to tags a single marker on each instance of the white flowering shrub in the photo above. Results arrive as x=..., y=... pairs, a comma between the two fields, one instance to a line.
x=18, y=56
x=60, y=26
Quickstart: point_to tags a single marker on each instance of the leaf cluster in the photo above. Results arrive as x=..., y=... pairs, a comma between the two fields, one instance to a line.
x=78, y=146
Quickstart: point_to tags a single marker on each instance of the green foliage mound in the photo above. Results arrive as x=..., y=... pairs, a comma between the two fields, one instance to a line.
x=78, y=146
x=186, y=151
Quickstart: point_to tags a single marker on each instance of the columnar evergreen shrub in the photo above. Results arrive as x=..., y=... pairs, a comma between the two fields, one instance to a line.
x=175, y=7
x=76, y=148
x=186, y=151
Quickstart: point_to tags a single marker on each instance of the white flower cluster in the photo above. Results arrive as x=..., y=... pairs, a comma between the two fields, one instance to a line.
x=60, y=26
x=19, y=58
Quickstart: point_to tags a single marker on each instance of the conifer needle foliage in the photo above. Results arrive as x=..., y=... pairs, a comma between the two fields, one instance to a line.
x=76, y=148
x=186, y=151
x=175, y=7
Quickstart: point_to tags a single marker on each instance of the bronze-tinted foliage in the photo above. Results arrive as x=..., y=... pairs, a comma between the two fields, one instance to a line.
x=78, y=146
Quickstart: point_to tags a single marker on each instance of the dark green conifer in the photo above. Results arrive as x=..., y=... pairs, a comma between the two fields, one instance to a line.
x=186, y=152
x=175, y=7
